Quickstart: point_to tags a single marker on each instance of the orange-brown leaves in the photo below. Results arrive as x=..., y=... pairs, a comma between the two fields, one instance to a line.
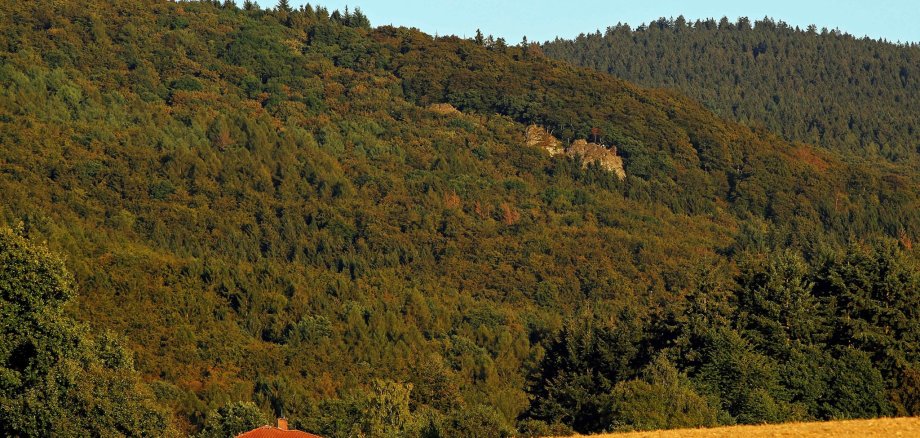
x=510, y=216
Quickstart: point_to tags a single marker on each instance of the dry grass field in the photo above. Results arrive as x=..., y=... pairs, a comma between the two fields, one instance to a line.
x=882, y=427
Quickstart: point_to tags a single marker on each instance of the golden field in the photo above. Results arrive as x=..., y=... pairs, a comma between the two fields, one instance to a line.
x=880, y=427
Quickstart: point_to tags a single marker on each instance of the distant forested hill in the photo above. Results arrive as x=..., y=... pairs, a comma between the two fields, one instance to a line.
x=827, y=88
x=267, y=210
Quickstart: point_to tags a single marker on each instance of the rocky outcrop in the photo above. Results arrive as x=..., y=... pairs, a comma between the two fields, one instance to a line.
x=607, y=159
x=444, y=109
x=538, y=137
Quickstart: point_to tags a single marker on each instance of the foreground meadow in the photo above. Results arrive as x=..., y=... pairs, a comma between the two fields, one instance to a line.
x=879, y=427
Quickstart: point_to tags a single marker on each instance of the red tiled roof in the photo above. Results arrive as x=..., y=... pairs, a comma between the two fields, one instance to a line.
x=274, y=432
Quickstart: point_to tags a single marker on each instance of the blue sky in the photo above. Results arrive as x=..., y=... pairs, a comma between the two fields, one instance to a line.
x=539, y=20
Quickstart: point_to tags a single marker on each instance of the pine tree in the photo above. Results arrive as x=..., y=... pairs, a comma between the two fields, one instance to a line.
x=283, y=6
x=500, y=44
x=479, y=38
x=359, y=20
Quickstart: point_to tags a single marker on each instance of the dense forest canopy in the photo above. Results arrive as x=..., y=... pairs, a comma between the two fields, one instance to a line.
x=824, y=87
x=264, y=207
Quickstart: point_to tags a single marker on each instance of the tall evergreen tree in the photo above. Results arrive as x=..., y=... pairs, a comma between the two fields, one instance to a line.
x=283, y=6
x=478, y=39
x=359, y=20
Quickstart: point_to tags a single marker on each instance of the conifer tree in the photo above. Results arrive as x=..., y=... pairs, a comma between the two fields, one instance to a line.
x=500, y=44
x=283, y=6
x=359, y=20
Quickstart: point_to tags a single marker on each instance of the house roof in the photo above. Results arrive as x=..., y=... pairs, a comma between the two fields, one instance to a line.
x=274, y=432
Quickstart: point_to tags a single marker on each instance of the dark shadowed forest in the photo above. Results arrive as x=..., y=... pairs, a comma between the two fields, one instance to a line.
x=824, y=87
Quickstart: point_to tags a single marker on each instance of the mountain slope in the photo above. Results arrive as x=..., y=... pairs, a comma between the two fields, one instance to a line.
x=266, y=205
x=827, y=88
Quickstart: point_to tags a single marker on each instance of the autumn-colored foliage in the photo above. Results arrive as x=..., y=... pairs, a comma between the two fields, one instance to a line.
x=265, y=205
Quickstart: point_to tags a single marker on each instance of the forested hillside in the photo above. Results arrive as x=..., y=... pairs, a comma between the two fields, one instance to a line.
x=267, y=210
x=828, y=88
